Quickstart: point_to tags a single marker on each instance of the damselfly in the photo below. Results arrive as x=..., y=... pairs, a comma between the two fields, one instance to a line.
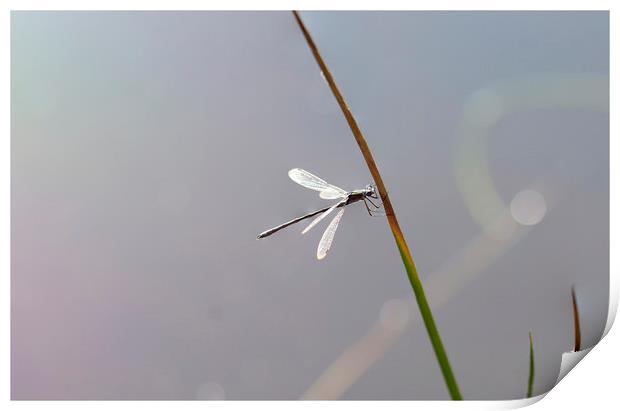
x=329, y=192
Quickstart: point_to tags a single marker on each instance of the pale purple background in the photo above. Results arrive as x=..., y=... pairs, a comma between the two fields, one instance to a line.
x=149, y=149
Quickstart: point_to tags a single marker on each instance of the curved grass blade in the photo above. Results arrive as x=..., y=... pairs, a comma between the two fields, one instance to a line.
x=576, y=320
x=399, y=238
x=530, y=380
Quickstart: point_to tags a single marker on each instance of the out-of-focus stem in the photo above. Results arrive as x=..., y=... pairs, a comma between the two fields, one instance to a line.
x=576, y=320
x=530, y=380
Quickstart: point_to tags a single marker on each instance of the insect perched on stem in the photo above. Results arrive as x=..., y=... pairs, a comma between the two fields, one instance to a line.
x=328, y=192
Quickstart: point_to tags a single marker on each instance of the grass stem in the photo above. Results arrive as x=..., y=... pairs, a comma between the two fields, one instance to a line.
x=576, y=320
x=530, y=380
x=405, y=254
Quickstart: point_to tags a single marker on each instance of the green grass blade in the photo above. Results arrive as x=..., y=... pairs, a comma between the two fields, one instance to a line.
x=412, y=273
x=530, y=380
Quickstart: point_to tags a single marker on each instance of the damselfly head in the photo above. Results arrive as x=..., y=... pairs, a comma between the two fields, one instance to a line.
x=371, y=191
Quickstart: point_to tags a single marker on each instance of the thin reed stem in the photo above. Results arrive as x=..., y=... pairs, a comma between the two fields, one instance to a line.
x=530, y=380
x=576, y=320
x=405, y=254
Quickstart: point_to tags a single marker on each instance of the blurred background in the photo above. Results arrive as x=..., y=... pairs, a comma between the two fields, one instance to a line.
x=150, y=148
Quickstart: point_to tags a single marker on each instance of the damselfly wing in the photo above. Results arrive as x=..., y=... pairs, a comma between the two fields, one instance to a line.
x=328, y=236
x=306, y=179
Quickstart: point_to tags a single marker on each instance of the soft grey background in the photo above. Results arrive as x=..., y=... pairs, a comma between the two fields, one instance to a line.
x=149, y=149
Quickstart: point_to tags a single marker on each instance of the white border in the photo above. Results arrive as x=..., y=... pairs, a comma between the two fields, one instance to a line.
x=593, y=384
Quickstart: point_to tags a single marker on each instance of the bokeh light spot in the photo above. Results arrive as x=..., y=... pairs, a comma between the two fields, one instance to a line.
x=528, y=207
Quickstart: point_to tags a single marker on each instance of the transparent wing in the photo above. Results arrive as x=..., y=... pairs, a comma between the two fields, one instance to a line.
x=319, y=218
x=309, y=180
x=328, y=236
x=332, y=193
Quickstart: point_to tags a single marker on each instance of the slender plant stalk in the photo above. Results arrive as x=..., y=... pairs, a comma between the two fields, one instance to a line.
x=530, y=380
x=412, y=272
x=576, y=319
